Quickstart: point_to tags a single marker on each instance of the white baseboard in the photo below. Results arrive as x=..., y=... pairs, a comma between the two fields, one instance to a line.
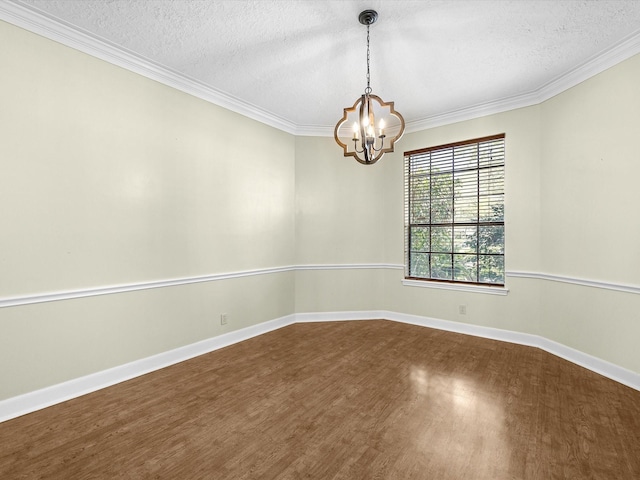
x=339, y=316
x=595, y=364
x=39, y=399
x=46, y=397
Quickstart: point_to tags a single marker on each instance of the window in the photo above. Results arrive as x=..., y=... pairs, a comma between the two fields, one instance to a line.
x=454, y=212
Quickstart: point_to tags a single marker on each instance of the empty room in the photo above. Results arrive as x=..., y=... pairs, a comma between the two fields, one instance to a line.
x=342, y=239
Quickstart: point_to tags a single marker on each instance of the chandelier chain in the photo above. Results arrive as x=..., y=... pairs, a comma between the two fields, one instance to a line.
x=374, y=131
x=368, y=89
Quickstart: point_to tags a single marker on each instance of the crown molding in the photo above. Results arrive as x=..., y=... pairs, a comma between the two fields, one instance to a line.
x=598, y=63
x=36, y=21
x=315, y=130
x=39, y=22
x=475, y=111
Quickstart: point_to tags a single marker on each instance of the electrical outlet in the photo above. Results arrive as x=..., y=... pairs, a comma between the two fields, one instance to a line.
x=462, y=309
x=223, y=319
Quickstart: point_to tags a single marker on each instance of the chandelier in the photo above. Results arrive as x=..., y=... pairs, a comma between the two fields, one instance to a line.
x=357, y=131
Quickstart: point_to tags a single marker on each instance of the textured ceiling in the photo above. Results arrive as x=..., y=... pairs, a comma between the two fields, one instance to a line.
x=304, y=60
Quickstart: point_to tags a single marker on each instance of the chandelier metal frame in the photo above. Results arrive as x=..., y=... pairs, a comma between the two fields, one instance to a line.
x=367, y=147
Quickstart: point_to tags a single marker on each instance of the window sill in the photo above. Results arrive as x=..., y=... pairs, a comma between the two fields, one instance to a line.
x=460, y=287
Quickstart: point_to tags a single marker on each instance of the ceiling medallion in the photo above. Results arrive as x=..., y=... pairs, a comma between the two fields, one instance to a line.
x=357, y=131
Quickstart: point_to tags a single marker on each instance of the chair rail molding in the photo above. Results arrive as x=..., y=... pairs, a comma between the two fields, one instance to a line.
x=620, y=287
x=14, y=301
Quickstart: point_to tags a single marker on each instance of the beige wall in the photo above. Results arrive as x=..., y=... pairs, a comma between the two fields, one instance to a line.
x=338, y=205
x=338, y=222
x=571, y=200
x=522, y=226
x=49, y=343
x=341, y=193
x=108, y=178
x=590, y=166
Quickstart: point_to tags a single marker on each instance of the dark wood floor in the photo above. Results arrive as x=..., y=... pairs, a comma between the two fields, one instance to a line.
x=341, y=400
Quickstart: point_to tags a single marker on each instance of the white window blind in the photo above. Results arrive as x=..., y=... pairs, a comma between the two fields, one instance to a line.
x=454, y=212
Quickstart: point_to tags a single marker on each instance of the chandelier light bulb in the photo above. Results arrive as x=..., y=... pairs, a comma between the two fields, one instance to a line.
x=356, y=129
x=362, y=143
